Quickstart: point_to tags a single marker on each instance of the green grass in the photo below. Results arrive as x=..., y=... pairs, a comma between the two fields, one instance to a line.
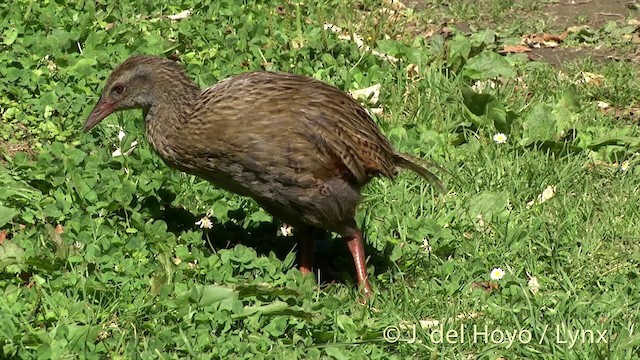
x=132, y=276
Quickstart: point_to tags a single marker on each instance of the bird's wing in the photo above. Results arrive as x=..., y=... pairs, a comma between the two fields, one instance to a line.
x=288, y=124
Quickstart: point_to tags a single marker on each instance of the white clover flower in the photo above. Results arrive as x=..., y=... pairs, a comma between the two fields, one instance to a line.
x=497, y=274
x=426, y=246
x=204, y=223
x=500, y=138
x=624, y=166
x=285, y=230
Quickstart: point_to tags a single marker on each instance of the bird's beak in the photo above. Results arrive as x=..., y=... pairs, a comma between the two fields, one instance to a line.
x=101, y=111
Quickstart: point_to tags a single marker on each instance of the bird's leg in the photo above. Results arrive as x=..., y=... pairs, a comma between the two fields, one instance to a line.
x=356, y=247
x=305, y=243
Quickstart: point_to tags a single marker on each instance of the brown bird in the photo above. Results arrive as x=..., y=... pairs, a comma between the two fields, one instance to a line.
x=301, y=148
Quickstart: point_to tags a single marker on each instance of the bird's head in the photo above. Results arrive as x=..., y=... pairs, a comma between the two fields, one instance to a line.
x=128, y=87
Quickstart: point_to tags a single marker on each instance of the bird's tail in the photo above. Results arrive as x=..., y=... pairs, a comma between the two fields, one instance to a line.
x=421, y=167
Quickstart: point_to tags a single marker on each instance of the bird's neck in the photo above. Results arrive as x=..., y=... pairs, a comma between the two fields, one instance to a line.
x=171, y=109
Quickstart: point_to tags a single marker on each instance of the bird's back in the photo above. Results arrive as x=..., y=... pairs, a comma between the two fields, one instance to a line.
x=292, y=126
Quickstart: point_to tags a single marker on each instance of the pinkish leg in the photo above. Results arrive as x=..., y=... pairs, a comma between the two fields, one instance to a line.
x=306, y=252
x=356, y=247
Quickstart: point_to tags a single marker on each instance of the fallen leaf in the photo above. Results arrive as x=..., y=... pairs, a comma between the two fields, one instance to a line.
x=429, y=323
x=480, y=223
x=591, y=79
x=628, y=114
x=52, y=66
x=556, y=38
x=544, y=40
x=371, y=93
x=577, y=29
x=469, y=316
x=383, y=56
x=376, y=111
x=548, y=193
x=359, y=42
x=179, y=16
x=479, y=86
x=334, y=28
x=3, y=236
x=413, y=72
x=533, y=284
x=514, y=49
x=394, y=5
x=487, y=286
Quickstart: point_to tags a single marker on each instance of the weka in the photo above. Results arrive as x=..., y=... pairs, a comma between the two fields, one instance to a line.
x=301, y=148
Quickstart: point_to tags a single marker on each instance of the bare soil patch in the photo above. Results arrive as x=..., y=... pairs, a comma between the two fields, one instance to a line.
x=594, y=13
x=558, y=17
x=560, y=55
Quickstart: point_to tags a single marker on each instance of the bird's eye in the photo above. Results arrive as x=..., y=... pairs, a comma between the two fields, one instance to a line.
x=118, y=88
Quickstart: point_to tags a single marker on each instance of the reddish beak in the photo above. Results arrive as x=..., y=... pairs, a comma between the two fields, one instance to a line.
x=101, y=111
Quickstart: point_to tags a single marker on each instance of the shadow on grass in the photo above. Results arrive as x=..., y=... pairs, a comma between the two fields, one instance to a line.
x=332, y=257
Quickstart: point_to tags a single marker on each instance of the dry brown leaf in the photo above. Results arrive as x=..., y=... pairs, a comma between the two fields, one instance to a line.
x=591, y=79
x=413, y=72
x=394, y=5
x=514, y=49
x=544, y=40
x=59, y=229
x=487, y=286
x=556, y=38
x=3, y=236
x=628, y=114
